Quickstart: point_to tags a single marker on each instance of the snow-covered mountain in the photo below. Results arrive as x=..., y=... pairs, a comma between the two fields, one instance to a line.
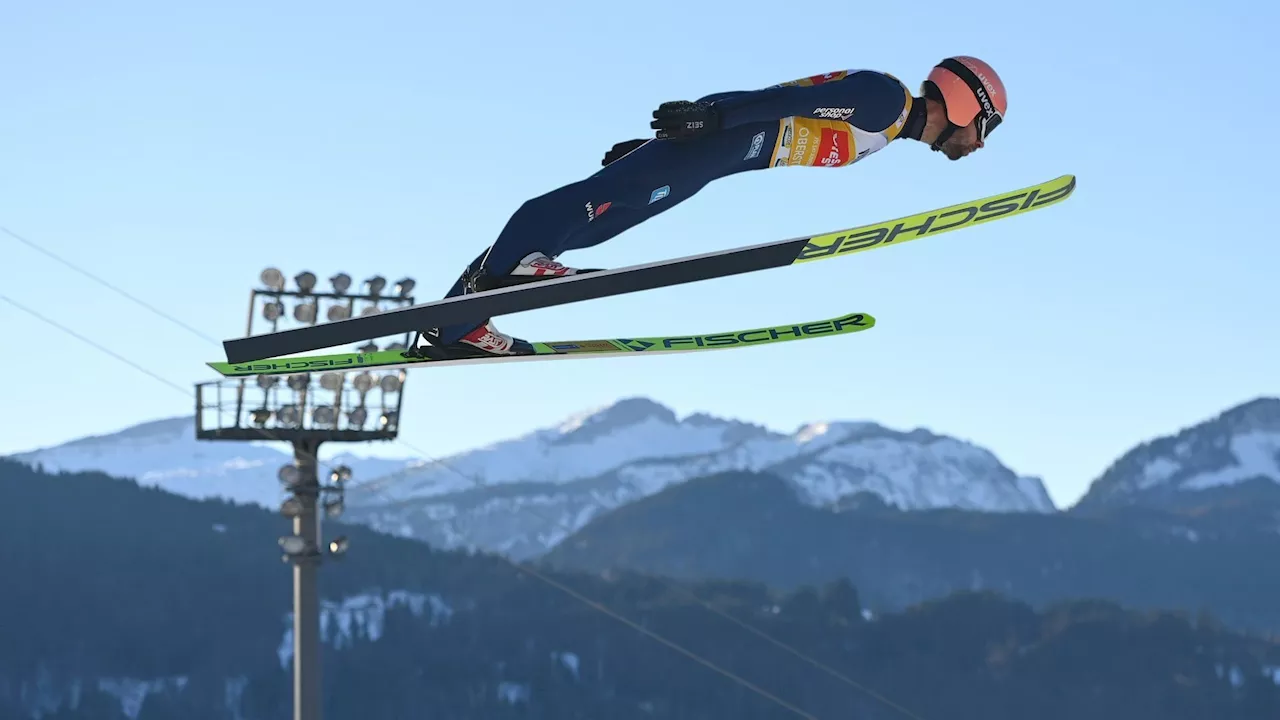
x=166, y=454
x=524, y=495
x=1237, y=449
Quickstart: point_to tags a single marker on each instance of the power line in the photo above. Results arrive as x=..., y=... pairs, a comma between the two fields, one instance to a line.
x=640, y=628
x=104, y=283
x=95, y=345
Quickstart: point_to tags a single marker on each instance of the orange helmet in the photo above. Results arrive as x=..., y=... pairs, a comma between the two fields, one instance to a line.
x=968, y=88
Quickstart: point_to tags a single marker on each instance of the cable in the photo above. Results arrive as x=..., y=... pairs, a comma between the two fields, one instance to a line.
x=106, y=284
x=744, y=682
x=84, y=339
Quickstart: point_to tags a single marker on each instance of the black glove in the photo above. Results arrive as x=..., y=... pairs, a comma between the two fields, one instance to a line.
x=619, y=150
x=684, y=120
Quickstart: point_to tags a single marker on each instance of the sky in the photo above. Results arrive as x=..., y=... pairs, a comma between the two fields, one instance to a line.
x=177, y=149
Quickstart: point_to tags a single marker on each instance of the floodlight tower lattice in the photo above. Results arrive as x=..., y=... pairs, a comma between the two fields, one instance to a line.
x=305, y=415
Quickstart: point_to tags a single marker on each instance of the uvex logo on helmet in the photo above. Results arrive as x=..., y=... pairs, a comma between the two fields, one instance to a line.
x=986, y=81
x=987, y=108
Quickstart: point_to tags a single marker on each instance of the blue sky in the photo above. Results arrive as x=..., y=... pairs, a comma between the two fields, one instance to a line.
x=178, y=148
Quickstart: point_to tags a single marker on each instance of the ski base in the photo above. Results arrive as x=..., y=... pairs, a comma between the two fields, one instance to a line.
x=558, y=350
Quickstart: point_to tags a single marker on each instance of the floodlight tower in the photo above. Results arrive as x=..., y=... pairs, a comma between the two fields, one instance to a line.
x=306, y=414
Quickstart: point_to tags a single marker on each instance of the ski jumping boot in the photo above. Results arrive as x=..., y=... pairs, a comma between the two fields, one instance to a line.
x=486, y=340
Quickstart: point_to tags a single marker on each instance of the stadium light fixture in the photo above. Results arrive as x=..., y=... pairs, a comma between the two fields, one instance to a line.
x=305, y=312
x=272, y=279
x=338, y=546
x=306, y=281
x=293, y=545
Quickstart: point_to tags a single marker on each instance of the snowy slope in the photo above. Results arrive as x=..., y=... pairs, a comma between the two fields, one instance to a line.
x=1241, y=444
x=524, y=495
x=916, y=470
x=166, y=454
x=828, y=461
x=581, y=447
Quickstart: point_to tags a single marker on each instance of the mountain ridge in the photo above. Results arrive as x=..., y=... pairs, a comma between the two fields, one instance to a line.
x=165, y=453
x=1239, y=444
x=599, y=460
x=751, y=526
x=525, y=493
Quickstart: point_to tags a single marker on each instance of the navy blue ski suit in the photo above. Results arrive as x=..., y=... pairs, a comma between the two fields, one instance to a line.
x=829, y=120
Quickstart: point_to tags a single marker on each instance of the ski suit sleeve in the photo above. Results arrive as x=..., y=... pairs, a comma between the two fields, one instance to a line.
x=866, y=99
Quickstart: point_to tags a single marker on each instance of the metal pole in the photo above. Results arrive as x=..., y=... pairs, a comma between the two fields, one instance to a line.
x=306, y=600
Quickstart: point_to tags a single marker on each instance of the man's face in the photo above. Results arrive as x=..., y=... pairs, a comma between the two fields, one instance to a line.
x=962, y=142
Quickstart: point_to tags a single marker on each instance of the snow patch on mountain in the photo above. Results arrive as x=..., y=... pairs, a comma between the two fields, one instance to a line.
x=1157, y=471
x=570, y=661
x=132, y=693
x=1256, y=454
x=1252, y=455
x=363, y=617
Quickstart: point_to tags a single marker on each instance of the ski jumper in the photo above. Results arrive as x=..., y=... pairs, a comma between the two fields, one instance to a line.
x=829, y=120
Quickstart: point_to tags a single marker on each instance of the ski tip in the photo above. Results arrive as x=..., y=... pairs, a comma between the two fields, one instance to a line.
x=1068, y=182
x=1046, y=193
x=857, y=319
x=229, y=370
x=849, y=322
x=222, y=368
x=1050, y=192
